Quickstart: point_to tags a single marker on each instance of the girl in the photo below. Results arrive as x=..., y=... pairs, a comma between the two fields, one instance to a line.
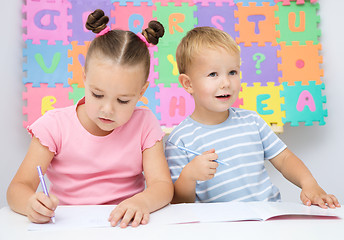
x=95, y=152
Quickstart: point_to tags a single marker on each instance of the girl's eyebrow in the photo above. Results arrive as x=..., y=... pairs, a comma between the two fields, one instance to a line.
x=127, y=95
x=95, y=88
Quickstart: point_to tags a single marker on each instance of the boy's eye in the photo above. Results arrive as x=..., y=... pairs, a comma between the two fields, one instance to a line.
x=96, y=95
x=233, y=72
x=122, y=102
x=213, y=74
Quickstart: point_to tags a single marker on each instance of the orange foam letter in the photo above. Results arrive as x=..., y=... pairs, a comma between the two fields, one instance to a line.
x=173, y=21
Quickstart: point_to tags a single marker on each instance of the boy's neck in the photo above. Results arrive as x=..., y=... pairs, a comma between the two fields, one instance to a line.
x=210, y=119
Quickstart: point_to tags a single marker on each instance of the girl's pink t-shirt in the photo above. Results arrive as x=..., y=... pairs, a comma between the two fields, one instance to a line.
x=88, y=169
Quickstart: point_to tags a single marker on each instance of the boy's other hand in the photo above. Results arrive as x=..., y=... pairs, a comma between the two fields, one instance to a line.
x=202, y=167
x=315, y=195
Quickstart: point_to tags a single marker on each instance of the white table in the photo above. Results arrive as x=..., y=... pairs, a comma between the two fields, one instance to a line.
x=14, y=226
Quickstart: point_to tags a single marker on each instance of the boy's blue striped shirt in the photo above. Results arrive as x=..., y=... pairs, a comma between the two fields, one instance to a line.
x=243, y=141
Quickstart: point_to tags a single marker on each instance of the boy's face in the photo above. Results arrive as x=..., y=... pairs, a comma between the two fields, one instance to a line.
x=213, y=79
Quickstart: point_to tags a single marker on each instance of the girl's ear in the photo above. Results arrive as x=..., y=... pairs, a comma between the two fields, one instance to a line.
x=144, y=88
x=83, y=75
x=185, y=81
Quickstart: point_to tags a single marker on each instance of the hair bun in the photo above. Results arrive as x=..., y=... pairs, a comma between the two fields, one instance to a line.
x=97, y=21
x=154, y=31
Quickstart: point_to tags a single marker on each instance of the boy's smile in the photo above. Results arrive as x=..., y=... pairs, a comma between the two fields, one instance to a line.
x=213, y=79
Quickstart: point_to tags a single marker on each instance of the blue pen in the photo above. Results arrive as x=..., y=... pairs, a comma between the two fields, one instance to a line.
x=197, y=153
x=45, y=190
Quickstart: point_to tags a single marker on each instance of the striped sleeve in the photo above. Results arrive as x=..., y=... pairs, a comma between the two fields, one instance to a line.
x=176, y=159
x=272, y=144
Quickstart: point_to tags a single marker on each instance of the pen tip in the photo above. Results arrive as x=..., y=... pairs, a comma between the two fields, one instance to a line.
x=53, y=219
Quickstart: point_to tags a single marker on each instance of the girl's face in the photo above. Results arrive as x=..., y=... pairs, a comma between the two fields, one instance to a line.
x=214, y=79
x=111, y=94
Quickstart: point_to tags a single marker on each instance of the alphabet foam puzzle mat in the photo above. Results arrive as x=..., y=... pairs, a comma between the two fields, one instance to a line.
x=279, y=41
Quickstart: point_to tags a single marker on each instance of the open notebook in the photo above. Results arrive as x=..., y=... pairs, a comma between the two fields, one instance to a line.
x=71, y=217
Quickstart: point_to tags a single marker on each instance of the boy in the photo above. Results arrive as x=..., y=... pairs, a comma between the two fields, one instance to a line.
x=209, y=65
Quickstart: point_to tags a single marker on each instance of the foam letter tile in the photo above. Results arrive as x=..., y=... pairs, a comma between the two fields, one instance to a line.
x=265, y=100
x=298, y=23
x=176, y=19
x=256, y=24
x=79, y=11
x=131, y=17
x=303, y=103
x=175, y=105
x=300, y=63
x=136, y=2
x=43, y=99
x=46, y=63
x=287, y=2
x=76, y=94
x=78, y=56
x=167, y=66
x=47, y=20
x=221, y=17
x=218, y=3
x=260, y=64
x=258, y=2
x=149, y=100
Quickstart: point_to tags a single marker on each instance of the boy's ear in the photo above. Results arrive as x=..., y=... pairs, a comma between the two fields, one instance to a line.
x=185, y=81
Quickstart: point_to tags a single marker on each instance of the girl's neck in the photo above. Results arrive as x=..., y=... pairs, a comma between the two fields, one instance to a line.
x=88, y=124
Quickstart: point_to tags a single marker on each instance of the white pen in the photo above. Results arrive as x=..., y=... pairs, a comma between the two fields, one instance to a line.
x=197, y=153
x=45, y=190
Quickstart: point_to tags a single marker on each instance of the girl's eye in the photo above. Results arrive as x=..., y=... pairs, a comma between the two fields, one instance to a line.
x=233, y=72
x=96, y=95
x=122, y=102
x=213, y=74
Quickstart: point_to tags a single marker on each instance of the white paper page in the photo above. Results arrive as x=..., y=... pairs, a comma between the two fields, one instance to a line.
x=175, y=213
x=225, y=211
x=266, y=210
x=72, y=217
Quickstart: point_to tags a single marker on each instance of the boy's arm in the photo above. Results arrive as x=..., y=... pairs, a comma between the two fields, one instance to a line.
x=293, y=169
x=184, y=187
x=201, y=168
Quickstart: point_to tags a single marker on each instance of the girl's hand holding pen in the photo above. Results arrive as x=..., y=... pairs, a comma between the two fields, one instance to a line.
x=40, y=208
x=202, y=167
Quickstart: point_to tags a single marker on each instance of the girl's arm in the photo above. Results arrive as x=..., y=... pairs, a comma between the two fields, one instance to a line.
x=21, y=193
x=293, y=169
x=158, y=193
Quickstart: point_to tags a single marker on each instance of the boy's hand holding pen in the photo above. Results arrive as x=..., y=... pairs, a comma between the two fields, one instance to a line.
x=203, y=166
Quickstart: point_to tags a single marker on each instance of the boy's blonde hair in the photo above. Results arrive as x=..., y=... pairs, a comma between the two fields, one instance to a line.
x=200, y=38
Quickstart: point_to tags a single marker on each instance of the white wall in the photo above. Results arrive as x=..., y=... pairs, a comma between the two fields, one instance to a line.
x=318, y=146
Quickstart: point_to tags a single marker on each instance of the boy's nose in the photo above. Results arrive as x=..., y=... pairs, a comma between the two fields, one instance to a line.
x=225, y=83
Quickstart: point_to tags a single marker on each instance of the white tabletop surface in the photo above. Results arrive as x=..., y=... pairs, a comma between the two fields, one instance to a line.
x=14, y=226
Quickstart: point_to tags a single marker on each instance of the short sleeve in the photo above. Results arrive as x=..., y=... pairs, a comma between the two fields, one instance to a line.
x=176, y=159
x=152, y=131
x=46, y=130
x=272, y=144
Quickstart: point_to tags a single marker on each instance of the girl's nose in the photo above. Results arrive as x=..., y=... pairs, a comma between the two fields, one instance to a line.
x=108, y=108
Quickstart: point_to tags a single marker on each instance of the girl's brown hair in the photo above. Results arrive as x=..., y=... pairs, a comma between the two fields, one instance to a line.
x=122, y=47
